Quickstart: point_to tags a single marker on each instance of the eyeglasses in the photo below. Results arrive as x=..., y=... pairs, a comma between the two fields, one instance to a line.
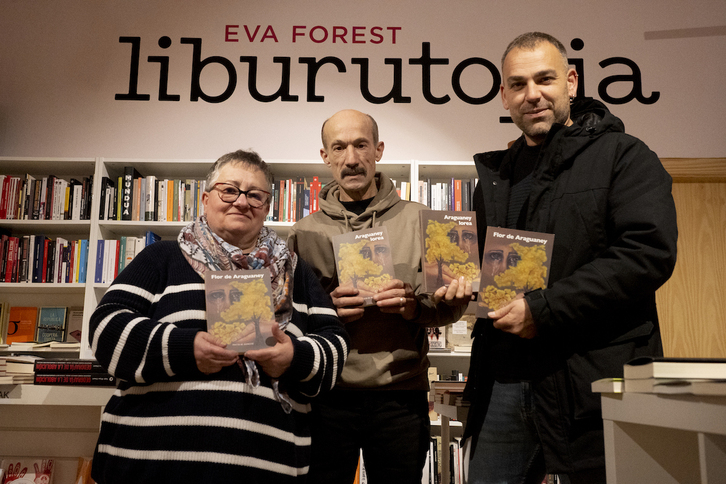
x=230, y=193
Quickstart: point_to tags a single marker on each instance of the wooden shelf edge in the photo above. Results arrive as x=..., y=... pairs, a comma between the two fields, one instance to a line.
x=704, y=170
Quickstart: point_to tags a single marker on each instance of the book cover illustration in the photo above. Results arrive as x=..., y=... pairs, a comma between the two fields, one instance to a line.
x=437, y=338
x=240, y=311
x=51, y=324
x=513, y=262
x=28, y=470
x=363, y=260
x=450, y=248
x=75, y=324
x=21, y=324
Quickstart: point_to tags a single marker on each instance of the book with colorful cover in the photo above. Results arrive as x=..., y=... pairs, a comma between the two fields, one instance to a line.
x=240, y=310
x=437, y=338
x=21, y=325
x=85, y=379
x=75, y=324
x=67, y=366
x=51, y=324
x=449, y=248
x=364, y=261
x=27, y=470
x=514, y=262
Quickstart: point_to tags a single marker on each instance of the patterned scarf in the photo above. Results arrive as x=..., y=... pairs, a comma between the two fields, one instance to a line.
x=206, y=251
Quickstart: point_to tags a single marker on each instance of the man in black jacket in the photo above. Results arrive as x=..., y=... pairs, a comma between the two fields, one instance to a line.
x=606, y=197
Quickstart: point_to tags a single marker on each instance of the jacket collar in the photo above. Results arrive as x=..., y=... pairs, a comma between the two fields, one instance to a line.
x=591, y=119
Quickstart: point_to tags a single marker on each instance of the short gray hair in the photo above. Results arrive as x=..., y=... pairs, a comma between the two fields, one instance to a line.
x=247, y=158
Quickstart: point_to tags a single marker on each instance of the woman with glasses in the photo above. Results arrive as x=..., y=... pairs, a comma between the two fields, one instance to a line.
x=186, y=408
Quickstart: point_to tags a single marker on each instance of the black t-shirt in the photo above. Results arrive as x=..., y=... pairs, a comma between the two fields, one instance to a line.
x=520, y=185
x=357, y=206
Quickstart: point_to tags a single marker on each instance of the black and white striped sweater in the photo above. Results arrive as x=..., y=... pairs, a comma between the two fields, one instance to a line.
x=167, y=421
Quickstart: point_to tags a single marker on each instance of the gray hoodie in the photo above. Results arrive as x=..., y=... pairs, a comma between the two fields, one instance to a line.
x=387, y=352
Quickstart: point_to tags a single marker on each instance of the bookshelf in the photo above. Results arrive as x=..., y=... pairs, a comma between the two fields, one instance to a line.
x=63, y=421
x=89, y=294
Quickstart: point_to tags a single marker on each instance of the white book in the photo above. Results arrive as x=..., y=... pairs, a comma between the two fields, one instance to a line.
x=108, y=255
x=130, y=250
x=663, y=367
x=150, y=194
x=43, y=198
x=29, y=188
x=77, y=203
x=607, y=385
x=182, y=195
x=2, y=180
x=139, y=244
x=202, y=189
x=161, y=205
x=60, y=243
x=58, y=199
x=658, y=385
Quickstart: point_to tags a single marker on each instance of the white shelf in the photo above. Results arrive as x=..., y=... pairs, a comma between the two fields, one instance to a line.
x=449, y=354
x=77, y=396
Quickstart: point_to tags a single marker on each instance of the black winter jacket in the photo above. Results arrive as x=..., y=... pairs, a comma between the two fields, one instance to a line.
x=607, y=199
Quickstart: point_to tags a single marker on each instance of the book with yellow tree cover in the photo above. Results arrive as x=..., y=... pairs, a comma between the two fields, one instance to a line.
x=363, y=260
x=450, y=248
x=514, y=262
x=240, y=310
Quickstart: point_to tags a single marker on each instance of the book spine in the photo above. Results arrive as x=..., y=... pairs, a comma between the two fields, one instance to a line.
x=104, y=185
x=83, y=262
x=98, y=379
x=99, y=261
x=127, y=193
x=50, y=366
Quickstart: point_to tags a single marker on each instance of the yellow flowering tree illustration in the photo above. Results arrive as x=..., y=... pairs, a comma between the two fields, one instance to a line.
x=253, y=305
x=375, y=283
x=468, y=270
x=353, y=266
x=529, y=274
x=440, y=249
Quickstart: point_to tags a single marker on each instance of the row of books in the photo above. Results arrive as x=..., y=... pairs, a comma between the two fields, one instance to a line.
x=148, y=198
x=293, y=199
x=112, y=255
x=668, y=375
x=456, y=194
x=137, y=198
x=45, y=198
x=432, y=467
x=39, y=259
x=432, y=471
x=27, y=327
x=53, y=371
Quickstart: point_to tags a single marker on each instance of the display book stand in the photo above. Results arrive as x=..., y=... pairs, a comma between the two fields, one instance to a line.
x=664, y=438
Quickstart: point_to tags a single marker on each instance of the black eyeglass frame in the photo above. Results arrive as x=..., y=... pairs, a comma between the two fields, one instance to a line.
x=240, y=192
